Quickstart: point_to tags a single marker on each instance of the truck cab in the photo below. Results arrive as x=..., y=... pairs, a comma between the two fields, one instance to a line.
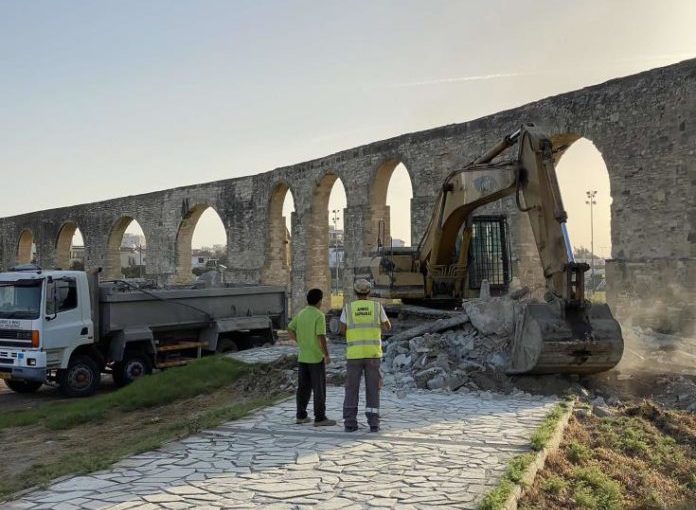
x=44, y=318
x=65, y=327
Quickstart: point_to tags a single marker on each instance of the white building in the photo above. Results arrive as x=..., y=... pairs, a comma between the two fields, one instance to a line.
x=200, y=258
x=131, y=257
x=132, y=240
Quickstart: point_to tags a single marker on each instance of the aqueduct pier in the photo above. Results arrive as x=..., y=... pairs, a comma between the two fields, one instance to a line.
x=644, y=125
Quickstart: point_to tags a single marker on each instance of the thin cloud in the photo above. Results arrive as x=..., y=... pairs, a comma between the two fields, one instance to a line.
x=649, y=58
x=439, y=81
x=667, y=58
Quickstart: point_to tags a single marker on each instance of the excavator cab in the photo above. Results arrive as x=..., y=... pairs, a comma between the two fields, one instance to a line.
x=567, y=333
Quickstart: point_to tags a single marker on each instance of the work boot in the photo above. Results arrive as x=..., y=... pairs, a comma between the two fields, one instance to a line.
x=351, y=428
x=374, y=428
x=326, y=422
x=300, y=421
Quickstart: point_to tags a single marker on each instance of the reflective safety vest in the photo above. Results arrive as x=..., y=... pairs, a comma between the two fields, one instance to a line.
x=363, y=331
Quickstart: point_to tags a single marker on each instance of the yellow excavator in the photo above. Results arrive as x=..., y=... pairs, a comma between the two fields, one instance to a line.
x=567, y=333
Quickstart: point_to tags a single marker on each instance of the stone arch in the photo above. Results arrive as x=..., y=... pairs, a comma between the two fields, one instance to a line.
x=112, y=268
x=379, y=210
x=582, y=155
x=184, y=238
x=526, y=262
x=317, y=256
x=278, y=263
x=64, y=243
x=25, y=247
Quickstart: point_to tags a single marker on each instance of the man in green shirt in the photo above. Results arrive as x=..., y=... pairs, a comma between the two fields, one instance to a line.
x=308, y=329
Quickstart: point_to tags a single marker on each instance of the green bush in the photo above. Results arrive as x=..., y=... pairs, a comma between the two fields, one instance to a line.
x=554, y=484
x=577, y=453
x=595, y=490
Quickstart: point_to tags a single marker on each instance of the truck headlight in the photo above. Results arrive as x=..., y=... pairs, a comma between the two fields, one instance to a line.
x=31, y=362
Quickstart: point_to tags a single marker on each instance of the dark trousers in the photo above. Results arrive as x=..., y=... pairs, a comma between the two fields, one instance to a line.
x=311, y=378
x=373, y=382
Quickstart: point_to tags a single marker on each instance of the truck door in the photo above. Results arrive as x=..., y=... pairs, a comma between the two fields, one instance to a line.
x=65, y=326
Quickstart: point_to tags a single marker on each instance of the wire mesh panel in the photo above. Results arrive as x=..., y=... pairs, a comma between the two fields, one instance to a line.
x=488, y=253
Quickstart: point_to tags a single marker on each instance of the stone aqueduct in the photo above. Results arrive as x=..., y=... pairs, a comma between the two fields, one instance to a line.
x=644, y=126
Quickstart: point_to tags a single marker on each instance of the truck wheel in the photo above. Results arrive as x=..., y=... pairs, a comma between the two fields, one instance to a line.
x=133, y=366
x=227, y=345
x=81, y=378
x=23, y=386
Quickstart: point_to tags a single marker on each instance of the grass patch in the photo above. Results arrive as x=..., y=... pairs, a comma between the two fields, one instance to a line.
x=100, y=456
x=20, y=418
x=643, y=457
x=199, y=377
x=555, y=484
x=153, y=410
x=577, y=452
x=517, y=467
x=543, y=434
x=495, y=499
x=595, y=490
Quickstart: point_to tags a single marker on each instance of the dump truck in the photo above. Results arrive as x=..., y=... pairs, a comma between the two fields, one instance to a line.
x=66, y=328
x=565, y=334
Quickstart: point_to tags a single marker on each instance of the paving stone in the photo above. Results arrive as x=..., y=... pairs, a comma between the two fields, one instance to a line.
x=435, y=450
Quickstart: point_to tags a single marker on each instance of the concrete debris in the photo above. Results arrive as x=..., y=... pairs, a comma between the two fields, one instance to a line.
x=468, y=351
x=495, y=316
x=430, y=327
x=460, y=353
x=678, y=392
x=518, y=294
x=599, y=407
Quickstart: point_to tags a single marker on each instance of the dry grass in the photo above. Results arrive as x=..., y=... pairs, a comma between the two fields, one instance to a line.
x=69, y=440
x=643, y=458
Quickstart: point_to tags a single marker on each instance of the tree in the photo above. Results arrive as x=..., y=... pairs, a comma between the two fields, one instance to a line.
x=133, y=271
x=199, y=270
x=77, y=265
x=583, y=253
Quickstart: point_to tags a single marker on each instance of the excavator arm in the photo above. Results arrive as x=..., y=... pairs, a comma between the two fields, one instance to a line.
x=565, y=334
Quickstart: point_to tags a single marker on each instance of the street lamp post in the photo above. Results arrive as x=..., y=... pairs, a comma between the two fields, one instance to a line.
x=591, y=202
x=140, y=262
x=335, y=213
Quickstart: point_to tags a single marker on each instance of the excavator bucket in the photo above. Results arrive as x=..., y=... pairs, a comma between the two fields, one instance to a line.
x=550, y=340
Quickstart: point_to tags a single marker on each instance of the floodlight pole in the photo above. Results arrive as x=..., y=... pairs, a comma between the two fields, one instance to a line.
x=335, y=213
x=591, y=202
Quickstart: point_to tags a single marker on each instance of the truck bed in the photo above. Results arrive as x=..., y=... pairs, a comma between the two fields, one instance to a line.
x=176, y=307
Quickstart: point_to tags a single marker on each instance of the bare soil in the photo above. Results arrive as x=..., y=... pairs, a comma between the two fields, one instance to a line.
x=34, y=454
x=11, y=401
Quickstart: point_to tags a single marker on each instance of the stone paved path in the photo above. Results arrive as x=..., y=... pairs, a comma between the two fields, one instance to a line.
x=435, y=450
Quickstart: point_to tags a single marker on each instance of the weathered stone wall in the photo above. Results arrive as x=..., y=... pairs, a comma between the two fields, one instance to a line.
x=643, y=125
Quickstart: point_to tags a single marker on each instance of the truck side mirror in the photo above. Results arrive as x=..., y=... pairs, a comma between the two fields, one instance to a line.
x=54, y=299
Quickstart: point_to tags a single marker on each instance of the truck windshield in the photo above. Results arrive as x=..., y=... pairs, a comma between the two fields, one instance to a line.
x=20, y=299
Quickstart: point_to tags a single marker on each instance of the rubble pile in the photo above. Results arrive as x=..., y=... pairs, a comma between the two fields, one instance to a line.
x=470, y=356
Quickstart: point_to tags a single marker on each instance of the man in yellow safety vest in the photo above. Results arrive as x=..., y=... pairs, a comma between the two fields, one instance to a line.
x=362, y=322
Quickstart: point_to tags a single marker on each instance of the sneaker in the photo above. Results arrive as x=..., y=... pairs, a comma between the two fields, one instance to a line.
x=326, y=422
x=300, y=421
x=351, y=429
x=374, y=429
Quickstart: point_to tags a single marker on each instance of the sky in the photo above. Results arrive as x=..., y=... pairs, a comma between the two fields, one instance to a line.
x=106, y=99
